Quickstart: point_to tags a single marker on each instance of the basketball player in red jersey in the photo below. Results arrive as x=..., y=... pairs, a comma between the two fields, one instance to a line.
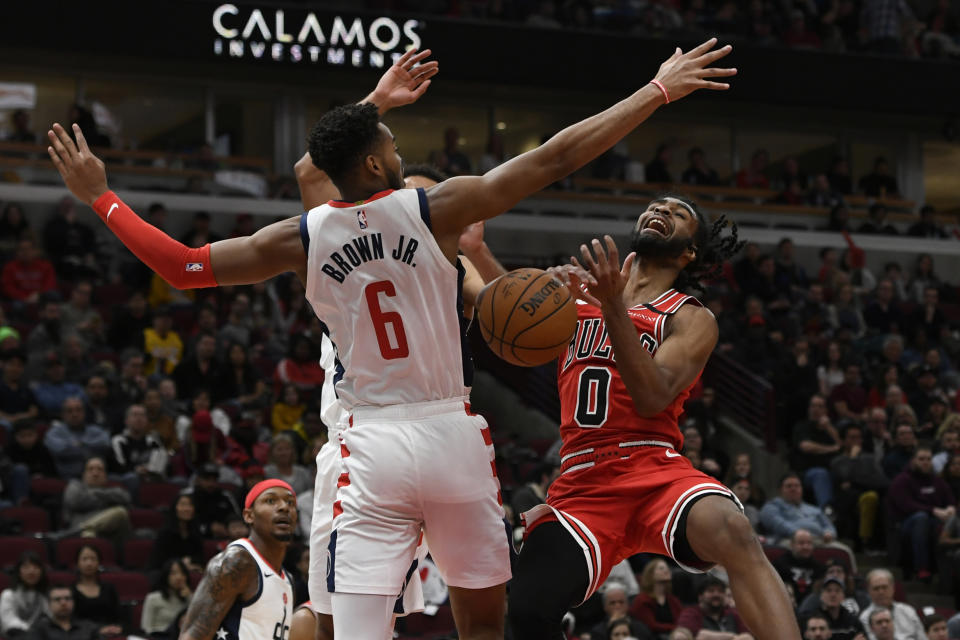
x=624, y=488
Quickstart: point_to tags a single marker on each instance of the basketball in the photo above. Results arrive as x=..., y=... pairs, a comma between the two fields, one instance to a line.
x=527, y=317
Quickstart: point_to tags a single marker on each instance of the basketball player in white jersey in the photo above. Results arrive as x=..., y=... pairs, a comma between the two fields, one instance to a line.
x=317, y=623
x=381, y=275
x=245, y=594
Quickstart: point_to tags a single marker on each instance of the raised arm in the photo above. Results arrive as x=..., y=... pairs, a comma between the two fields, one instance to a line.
x=273, y=250
x=229, y=575
x=460, y=201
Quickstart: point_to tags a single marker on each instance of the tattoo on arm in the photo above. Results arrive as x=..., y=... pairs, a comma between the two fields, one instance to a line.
x=228, y=576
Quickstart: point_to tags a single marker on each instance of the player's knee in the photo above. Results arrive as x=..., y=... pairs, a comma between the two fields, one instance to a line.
x=736, y=537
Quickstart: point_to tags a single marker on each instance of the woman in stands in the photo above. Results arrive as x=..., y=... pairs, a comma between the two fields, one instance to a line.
x=830, y=373
x=23, y=603
x=283, y=455
x=170, y=596
x=238, y=383
x=618, y=629
x=844, y=314
x=180, y=539
x=655, y=605
x=94, y=600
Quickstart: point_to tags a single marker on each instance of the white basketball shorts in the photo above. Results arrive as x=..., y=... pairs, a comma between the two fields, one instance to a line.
x=404, y=468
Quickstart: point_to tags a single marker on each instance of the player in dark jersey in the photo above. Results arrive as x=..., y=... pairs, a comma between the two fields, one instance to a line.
x=243, y=597
x=624, y=488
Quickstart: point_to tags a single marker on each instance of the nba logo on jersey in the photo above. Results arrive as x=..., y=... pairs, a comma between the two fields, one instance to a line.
x=362, y=219
x=194, y=266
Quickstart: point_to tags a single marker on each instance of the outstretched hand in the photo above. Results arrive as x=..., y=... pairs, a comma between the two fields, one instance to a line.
x=472, y=237
x=576, y=280
x=684, y=73
x=405, y=81
x=610, y=279
x=82, y=172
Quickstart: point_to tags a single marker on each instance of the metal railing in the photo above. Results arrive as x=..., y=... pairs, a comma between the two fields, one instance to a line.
x=744, y=396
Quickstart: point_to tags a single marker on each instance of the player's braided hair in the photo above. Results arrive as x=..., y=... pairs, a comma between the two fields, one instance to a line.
x=342, y=137
x=713, y=247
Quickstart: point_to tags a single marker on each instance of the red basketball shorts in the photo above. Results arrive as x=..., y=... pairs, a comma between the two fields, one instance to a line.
x=622, y=500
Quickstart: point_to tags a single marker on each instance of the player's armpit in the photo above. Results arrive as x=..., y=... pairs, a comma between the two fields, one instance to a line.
x=230, y=575
x=275, y=249
x=472, y=285
x=691, y=336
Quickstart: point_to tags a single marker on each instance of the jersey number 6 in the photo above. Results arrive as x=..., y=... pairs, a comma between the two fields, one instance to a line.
x=383, y=318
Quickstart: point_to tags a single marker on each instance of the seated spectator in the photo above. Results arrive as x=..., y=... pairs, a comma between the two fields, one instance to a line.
x=76, y=359
x=201, y=369
x=936, y=627
x=287, y=410
x=162, y=344
x=138, y=455
x=709, y=461
x=906, y=622
x=91, y=508
x=79, y=316
x=13, y=225
x=132, y=383
x=855, y=601
x=615, y=606
x=798, y=567
x=839, y=176
x=743, y=489
x=61, y=622
x=656, y=170
x=71, y=440
x=618, y=629
x=902, y=450
x=71, y=243
x=101, y=407
x=830, y=372
x=816, y=627
x=949, y=447
x=180, y=539
x=301, y=367
x=28, y=275
x=859, y=482
x=843, y=624
x=699, y=172
x=170, y=596
x=159, y=421
x=711, y=613
x=450, y=160
x=882, y=315
x=784, y=515
x=17, y=401
x=53, y=390
x=879, y=183
x=93, y=599
x=754, y=175
x=129, y=322
x=821, y=194
x=237, y=383
x=200, y=233
x=918, y=499
x=213, y=505
x=926, y=226
x=877, y=222
x=848, y=400
x=844, y=314
x=29, y=452
x=882, y=626
x=926, y=390
x=239, y=325
x=656, y=606
x=951, y=475
x=815, y=443
x=22, y=604
x=283, y=465
x=948, y=551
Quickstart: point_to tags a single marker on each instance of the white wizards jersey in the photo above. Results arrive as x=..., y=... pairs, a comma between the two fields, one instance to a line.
x=390, y=299
x=331, y=411
x=267, y=615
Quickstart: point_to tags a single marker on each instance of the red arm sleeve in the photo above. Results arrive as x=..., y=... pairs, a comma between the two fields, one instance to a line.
x=181, y=266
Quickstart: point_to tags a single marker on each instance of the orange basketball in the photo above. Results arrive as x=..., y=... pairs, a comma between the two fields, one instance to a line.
x=527, y=317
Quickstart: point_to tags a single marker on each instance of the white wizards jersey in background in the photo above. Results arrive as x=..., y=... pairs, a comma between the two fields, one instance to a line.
x=390, y=299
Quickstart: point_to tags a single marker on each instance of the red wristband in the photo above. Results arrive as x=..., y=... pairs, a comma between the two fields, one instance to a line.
x=181, y=266
x=663, y=89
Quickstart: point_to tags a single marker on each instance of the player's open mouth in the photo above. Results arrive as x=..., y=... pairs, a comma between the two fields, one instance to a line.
x=282, y=522
x=659, y=225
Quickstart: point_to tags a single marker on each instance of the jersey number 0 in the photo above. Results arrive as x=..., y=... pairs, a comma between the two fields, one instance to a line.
x=593, y=397
x=383, y=318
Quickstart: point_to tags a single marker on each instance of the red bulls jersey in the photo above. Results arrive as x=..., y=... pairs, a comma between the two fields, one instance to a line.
x=595, y=407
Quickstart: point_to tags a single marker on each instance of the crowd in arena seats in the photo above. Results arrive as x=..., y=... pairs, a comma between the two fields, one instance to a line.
x=135, y=417
x=881, y=26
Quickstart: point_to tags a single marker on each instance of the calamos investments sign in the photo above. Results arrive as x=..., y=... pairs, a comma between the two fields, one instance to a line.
x=294, y=36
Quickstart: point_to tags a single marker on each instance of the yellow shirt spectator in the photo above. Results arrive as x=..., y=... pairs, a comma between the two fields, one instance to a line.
x=162, y=345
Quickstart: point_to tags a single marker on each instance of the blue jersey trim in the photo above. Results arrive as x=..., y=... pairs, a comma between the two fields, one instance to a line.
x=231, y=621
x=424, y=207
x=398, y=605
x=465, y=354
x=304, y=234
x=331, y=562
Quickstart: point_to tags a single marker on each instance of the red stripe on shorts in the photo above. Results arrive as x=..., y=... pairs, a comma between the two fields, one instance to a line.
x=593, y=552
x=487, y=438
x=343, y=480
x=344, y=452
x=337, y=508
